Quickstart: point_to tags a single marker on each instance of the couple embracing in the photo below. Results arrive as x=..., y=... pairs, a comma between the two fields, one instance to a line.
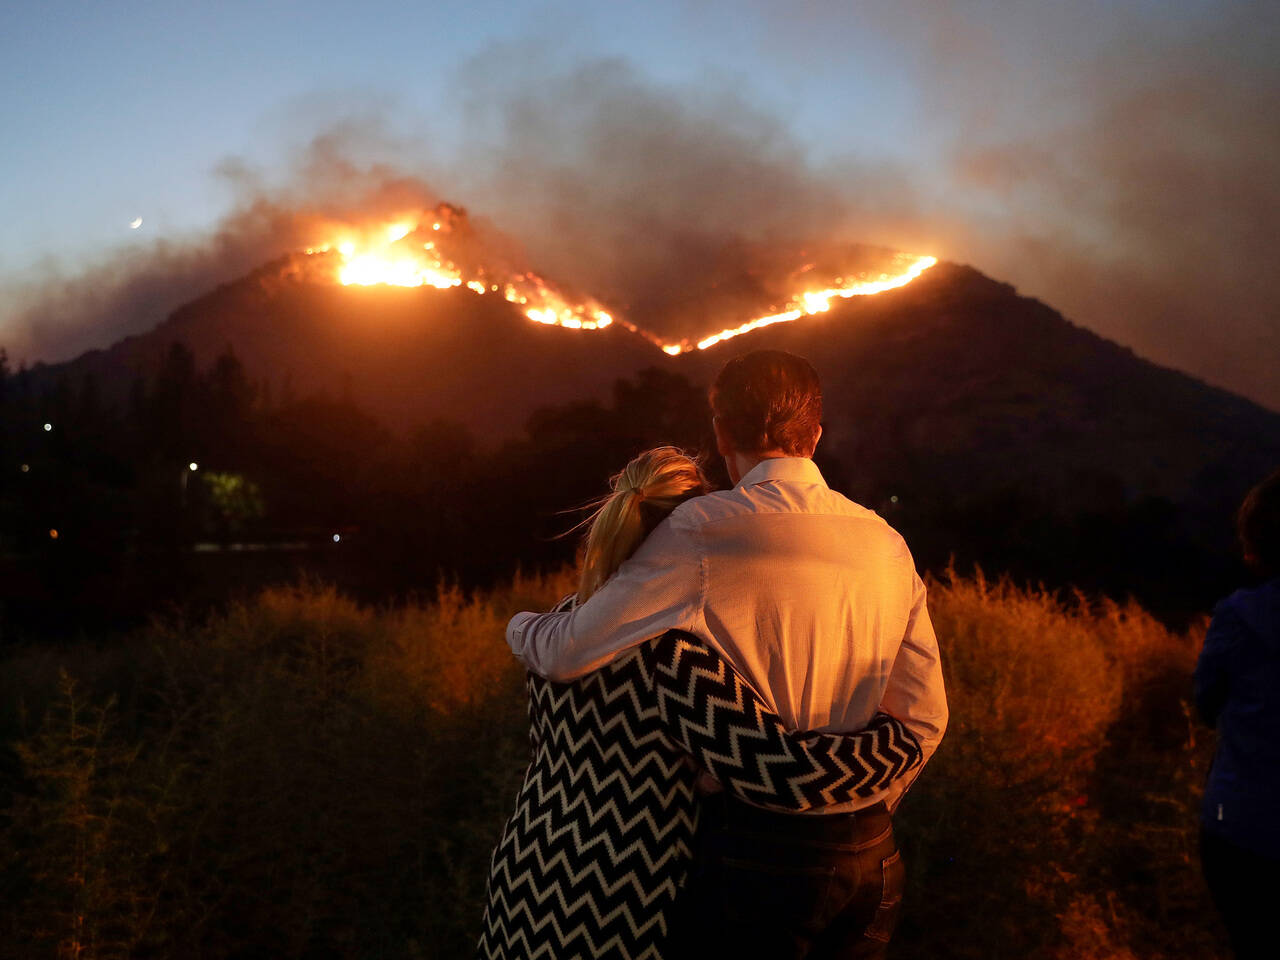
x=726, y=714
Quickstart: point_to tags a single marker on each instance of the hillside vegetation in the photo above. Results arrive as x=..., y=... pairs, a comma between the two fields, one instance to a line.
x=302, y=776
x=980, y=423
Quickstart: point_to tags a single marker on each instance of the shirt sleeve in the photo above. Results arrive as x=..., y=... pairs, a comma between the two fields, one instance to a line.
x=713, y=714
x=658, y=589
x=915, y=693
x=1212, y=681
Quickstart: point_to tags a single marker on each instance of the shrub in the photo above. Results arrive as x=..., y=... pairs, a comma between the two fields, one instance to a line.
x=302, y=776
x=1049, y=768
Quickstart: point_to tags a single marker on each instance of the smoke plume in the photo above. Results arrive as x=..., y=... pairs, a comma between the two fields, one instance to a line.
x=1113, y=160
x=61, y=312
x=1126, y=176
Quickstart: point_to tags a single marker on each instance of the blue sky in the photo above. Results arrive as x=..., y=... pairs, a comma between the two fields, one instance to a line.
x=119, y=110
x=1095, y=154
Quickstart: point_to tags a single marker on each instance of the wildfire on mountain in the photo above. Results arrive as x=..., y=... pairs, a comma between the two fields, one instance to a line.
x=415, y=251
x=818, y=301
x=437, y=249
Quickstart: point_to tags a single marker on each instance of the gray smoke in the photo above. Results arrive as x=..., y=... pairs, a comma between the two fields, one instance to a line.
x=59, y=312
x=1115, y=160
x=650, y=197
x=1120, y=169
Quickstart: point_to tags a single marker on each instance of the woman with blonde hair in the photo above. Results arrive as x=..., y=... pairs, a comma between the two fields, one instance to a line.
x=647, y=489
x=591, y=861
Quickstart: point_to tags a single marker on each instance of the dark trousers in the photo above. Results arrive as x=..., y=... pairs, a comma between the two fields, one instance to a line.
x=788, y=886
x=1246, y=889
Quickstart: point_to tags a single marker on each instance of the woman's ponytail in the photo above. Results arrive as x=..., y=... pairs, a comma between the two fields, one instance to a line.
x=644, y=492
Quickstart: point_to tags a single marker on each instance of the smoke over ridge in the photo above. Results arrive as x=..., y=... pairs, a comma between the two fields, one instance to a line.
x=1141, y=200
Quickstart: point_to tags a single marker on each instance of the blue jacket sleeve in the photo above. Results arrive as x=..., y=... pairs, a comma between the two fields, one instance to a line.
x=1212, y=680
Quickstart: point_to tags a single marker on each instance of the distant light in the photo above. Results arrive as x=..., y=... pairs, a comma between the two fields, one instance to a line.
x=26, y=468
x=193, y=466
x=337, y=538
x=48, y=427
x=135, y=223
x=53, y=534
x=894, y=498
x=435, y=226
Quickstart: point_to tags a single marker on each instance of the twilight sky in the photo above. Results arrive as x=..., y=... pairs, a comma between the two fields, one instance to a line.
x=1119, y=160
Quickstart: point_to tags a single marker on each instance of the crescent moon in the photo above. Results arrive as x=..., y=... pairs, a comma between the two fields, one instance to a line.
x=135, y=223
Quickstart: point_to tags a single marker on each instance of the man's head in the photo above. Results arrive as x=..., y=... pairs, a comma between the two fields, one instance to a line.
x=767, y=404
x=1258, y=524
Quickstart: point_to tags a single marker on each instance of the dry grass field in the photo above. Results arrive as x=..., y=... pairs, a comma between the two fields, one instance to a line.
x=305, y=777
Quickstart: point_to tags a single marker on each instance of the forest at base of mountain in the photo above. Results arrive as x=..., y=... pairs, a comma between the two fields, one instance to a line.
x=105, y=521
x=386, y=438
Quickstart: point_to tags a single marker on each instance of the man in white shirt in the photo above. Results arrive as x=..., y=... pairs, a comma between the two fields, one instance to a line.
x=816, y=602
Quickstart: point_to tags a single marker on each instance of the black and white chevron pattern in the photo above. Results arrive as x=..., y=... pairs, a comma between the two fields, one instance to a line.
x=711, y=713
x=595, y=854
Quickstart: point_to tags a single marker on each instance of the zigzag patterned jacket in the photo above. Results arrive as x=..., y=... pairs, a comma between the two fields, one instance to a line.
x=590, y=863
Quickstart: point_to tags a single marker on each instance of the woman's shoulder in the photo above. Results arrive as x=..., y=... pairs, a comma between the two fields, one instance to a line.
x=1253, y=610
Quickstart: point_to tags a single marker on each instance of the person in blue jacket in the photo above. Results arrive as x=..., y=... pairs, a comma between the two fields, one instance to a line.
x=1237, y=689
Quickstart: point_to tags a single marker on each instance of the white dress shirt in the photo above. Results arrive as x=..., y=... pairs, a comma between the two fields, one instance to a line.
x=813, y=599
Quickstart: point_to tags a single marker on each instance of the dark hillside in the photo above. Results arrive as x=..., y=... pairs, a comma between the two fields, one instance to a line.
x=984, y=424
x=957, y=376
x=981, y=423
x=407, y=355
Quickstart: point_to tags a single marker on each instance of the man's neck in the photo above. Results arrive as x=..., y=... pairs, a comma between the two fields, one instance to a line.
x=740, y=464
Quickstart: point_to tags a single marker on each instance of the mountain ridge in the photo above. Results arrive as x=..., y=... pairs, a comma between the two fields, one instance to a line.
x=981, y=424
x=954, y=372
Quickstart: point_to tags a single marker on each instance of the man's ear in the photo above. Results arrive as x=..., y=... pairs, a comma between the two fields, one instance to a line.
x=723, y=446
x=816, y=438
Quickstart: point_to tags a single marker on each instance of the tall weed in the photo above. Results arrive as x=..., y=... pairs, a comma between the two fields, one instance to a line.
x=302, y=776
x=1026, y=834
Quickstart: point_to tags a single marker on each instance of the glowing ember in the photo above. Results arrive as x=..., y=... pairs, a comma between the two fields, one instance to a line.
x=396, y=254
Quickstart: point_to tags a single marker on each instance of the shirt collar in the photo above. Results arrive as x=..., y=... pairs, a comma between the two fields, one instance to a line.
x=786, y=469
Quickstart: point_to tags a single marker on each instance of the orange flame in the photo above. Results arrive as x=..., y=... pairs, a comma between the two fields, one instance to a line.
x=396, y=255
x=392, y=256
x=817, y=301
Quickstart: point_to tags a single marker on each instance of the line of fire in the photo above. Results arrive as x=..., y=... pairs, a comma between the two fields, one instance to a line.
x=437, y=249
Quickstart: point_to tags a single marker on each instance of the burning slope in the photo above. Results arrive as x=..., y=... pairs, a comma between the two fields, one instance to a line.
x=417, y=251
x=819, y=301
x=954, y=398
x=439, y=249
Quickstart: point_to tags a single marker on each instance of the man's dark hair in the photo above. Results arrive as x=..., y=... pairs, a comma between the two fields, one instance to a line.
x=769, y=400
x=1258, y=524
